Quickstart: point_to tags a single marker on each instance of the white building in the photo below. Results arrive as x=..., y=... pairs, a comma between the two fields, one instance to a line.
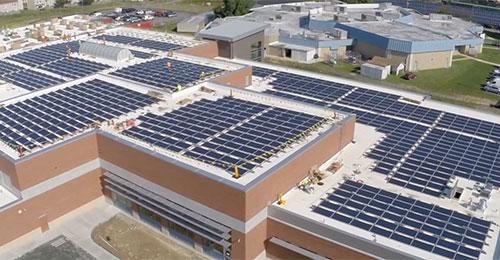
x=7, y=6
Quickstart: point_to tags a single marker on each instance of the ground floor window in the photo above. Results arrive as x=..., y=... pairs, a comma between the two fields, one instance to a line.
x=122, y=203
x=213, y=249
x=149, y=217
x=181, y=233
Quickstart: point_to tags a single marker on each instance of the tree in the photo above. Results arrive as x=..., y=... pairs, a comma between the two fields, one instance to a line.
x=234, y=8
x=59, y=3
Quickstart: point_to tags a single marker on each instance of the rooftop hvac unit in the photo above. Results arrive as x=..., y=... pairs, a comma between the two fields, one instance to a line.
x=482, y=205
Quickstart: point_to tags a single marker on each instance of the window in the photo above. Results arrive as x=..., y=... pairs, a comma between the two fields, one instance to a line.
x=181, y=233
x=213, y=249
x=256, y=51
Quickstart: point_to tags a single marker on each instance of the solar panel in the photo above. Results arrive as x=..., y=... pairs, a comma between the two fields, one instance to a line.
x=307, y=86
x=142, y=55
x=425, y=226
x=156, y=45
x=6, y=68
x=46, y=54
x=74, y=67
x=117, y=38
x=225, y=133
x=443, y=154
x=42, y=119
x=262, y=72
x=31, y=80
x=471, y=126
x=156, y=74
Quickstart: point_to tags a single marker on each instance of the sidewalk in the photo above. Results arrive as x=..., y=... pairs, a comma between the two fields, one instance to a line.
x=76, y=226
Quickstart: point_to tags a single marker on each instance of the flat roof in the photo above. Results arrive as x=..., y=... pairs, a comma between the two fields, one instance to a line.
x=25, y=88
x=232, y=30
x=358, y=165
x=223, y=169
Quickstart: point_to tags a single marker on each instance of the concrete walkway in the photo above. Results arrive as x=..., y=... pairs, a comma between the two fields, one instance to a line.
x=478, y=60
x=76, y=226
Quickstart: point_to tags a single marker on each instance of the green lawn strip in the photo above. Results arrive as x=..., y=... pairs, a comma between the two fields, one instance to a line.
x=490, y=54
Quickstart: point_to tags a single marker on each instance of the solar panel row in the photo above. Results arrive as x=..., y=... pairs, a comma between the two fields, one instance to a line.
x=226, y=133
x=156, y=73
x=44, y=118
x=45, y=54
x=141, y=55
x=444, y=154
x=74, y=67
x=134, y=41
x=422, y=225
x=400, y=138
x=316, y=88
x=428, y=169
x=471, y=126
x=25, y=78
x=262, y=72
x=31, y=80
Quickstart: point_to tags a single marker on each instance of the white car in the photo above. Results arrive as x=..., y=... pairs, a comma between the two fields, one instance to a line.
x=148, y=17
x=492, y=86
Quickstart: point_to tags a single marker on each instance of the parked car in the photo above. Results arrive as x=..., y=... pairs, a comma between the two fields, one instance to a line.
x=96, y=14
x=492, y=86
x=169, y=14
x=158, y=13
x=497, y=105
x=140, y=12
x=134, y=19
x=409, y=76
x=128, y=10
x=148, y=17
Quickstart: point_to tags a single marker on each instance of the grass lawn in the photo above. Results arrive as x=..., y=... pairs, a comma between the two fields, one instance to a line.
x=340, y=69
x=490, y=54
x=461, y=84
x=33, y=16
x=167, y=27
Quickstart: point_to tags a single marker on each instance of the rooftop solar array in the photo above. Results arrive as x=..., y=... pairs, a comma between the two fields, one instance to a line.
x=144, y=43
x=45, y=118
x=31, y=80
x=25, y=78
x=156, y=45
x=322, y=89
x=54, y=58
x=142, y=55
x=471, y=126
x=388, y=104
x=225, y=133
x=6, y=68
x=118, y=38
x=155, y=73
x=444, y=154
x=427, y=169
x=262, y=72
x=428, y=227
x=74, y=67
x=45, y=54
